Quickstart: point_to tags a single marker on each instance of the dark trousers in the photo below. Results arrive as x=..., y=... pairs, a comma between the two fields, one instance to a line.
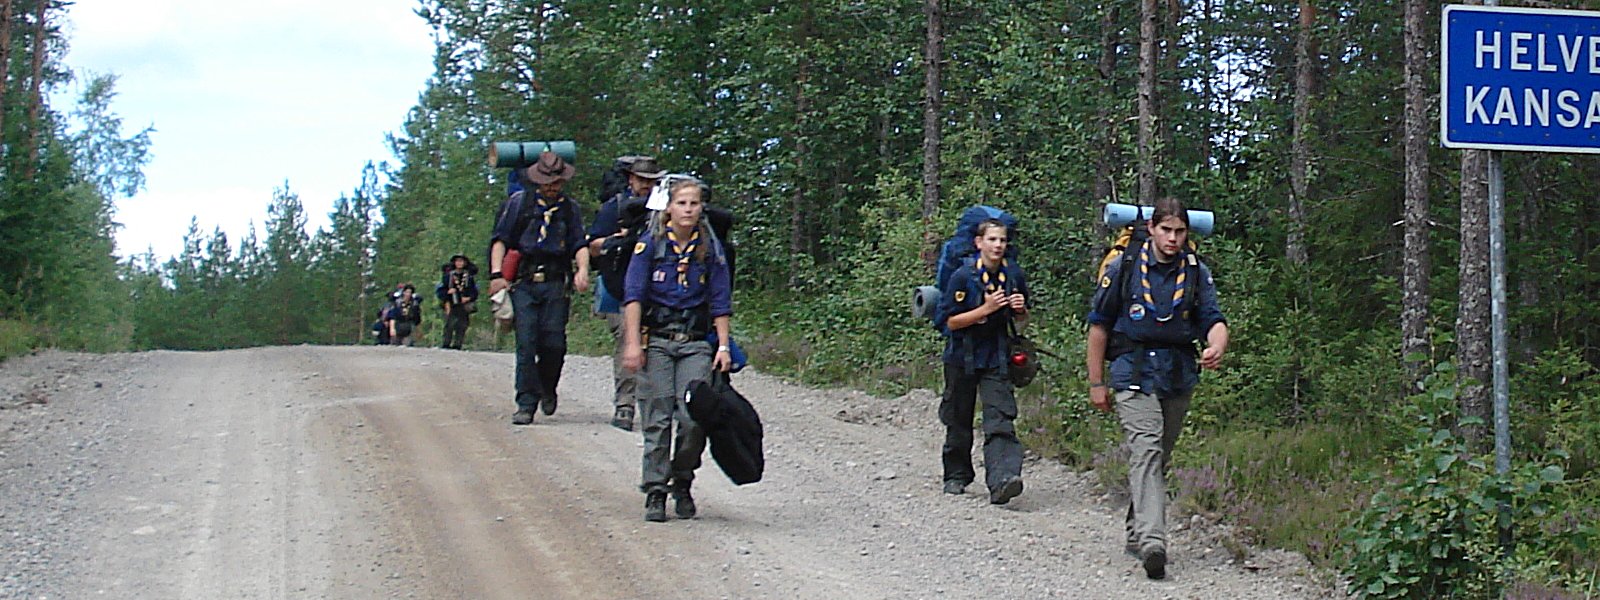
x=455, y=327
x=1002, y=451
x=541, y=326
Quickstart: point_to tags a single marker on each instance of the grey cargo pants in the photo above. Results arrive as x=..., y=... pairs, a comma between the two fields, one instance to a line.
x=668, y=368
x=1150, y=426
x=625, y=382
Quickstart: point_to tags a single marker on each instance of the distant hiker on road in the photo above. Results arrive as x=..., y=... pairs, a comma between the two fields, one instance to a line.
x=677, y=291
x=609, y=231
x=1150, y=309
x=981, y=303
x=544, y=226
x=404, y=316
x=458, y=293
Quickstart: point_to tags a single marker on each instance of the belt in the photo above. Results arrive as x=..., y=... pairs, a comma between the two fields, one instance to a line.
x=676, y=336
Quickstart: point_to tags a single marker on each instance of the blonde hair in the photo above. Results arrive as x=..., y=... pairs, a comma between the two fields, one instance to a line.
x=664, y=221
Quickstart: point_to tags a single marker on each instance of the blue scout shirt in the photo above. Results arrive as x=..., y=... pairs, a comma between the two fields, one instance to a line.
x=990, y=341
x=1164, y=363
x=518, y=227
x=656, y=281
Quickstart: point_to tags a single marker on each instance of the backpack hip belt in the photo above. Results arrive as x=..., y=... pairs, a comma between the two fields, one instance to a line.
x=677, y=324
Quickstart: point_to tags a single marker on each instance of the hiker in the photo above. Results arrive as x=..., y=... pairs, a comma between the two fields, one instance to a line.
x=1145, y=318
x=544, y=226
x=982, y=303
x=404, y=317
x=458, y=293
x=677, y=291
x=643, y=173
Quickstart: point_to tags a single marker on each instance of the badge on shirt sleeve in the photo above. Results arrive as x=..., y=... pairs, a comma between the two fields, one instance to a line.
x=638, y=248
x=961, y=295
x=1136, y=312
x=1105, y=281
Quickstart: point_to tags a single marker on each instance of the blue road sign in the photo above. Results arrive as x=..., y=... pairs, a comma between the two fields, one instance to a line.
x=1520, y=79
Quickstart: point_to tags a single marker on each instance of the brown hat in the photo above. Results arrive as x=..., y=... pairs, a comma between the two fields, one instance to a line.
x=549, y=168
x=646, y=167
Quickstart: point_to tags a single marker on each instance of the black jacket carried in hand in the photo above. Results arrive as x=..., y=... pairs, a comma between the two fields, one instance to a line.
x=732, y=427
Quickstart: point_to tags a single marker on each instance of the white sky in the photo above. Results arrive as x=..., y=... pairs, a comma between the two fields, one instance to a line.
x=248, y=95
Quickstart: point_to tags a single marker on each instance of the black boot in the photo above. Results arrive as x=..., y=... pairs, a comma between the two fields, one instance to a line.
x=655, y=507
x=682, y=502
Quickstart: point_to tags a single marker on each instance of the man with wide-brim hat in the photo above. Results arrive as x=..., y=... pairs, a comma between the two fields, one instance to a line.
x=544, y=227
x=611, y=240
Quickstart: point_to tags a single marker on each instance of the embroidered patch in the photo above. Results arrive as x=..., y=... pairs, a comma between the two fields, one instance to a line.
x=638, y=248
x=961, y=295
x=659, y=276
x=1136, y=312
x=1105, y=281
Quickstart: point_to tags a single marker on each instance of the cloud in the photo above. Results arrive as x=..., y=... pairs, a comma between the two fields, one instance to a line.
x=246, y=95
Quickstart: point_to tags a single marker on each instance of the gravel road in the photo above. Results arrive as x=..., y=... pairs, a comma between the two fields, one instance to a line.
x=375, y=472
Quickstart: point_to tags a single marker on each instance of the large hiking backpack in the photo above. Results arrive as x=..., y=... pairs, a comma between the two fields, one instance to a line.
x=616, y=252
x=960, y=248
x=1129, y=223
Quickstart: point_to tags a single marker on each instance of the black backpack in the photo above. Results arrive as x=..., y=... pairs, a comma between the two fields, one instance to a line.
x=616, y=252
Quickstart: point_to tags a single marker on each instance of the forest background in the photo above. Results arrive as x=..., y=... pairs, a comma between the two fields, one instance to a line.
x=1350, y=251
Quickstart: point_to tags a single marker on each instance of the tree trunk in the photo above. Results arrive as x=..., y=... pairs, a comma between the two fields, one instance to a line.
x=1147, y=90
x=932, y=118
x=1107, y=164
x=1473, y=315
x=1300, y=160
x=6, y=11
x=798, y=239
x=1167, y=114
x=36, y=90
x=1414, y=302
x=1472, y=322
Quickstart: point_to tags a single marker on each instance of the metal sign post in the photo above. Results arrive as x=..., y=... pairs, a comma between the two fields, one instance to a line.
x=1517, y=79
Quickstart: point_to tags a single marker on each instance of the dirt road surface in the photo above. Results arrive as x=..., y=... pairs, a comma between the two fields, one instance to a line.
x=363, y=472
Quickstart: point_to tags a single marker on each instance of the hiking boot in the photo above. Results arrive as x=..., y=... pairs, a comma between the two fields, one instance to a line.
x=655, y=507
x=547, y=405
x=955, y=487
x=623, y=418
x=1008, y=490
x=682, y=501
x=522, y=417
x=1155, y=562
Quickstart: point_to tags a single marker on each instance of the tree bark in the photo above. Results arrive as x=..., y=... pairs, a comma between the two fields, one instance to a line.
x=6, y=11
x=1472, y=322
x=1300, y=160
x=1148, y=13
x=1414, y=303
x=932, y=119
x=41, y=33
x=798, y=239
x=1167, y=113
x=1472, y=318
x=1107, y=164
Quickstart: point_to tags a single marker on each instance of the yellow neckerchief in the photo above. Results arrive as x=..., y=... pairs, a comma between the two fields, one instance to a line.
x=999, y=277
x=1144, y=282
x=684, y=252
x=548, y=211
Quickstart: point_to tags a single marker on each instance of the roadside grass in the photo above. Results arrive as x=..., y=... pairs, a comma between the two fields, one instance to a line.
x=16, y=338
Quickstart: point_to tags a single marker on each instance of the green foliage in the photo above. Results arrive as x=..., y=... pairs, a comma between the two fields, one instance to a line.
x=16, y=338
x=1433, y=531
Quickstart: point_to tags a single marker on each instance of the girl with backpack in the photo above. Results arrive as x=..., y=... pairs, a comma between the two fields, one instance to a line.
x=677, y=290
x=982, y=304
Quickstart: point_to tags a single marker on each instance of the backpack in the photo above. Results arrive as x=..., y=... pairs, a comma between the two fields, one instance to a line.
x=956, y=250
x=615, y=179
x=1133, y=234
x=617, y=252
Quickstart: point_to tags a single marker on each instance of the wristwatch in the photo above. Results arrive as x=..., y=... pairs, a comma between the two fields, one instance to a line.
x=722, y=348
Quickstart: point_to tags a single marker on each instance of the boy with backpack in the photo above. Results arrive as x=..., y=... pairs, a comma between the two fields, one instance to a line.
x=1151, y=305
x=982, y=304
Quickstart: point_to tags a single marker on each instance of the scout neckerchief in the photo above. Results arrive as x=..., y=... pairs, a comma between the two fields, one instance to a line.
x=684, y=252
x=547, y=211
x=993, y=281
x=1144, y=283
